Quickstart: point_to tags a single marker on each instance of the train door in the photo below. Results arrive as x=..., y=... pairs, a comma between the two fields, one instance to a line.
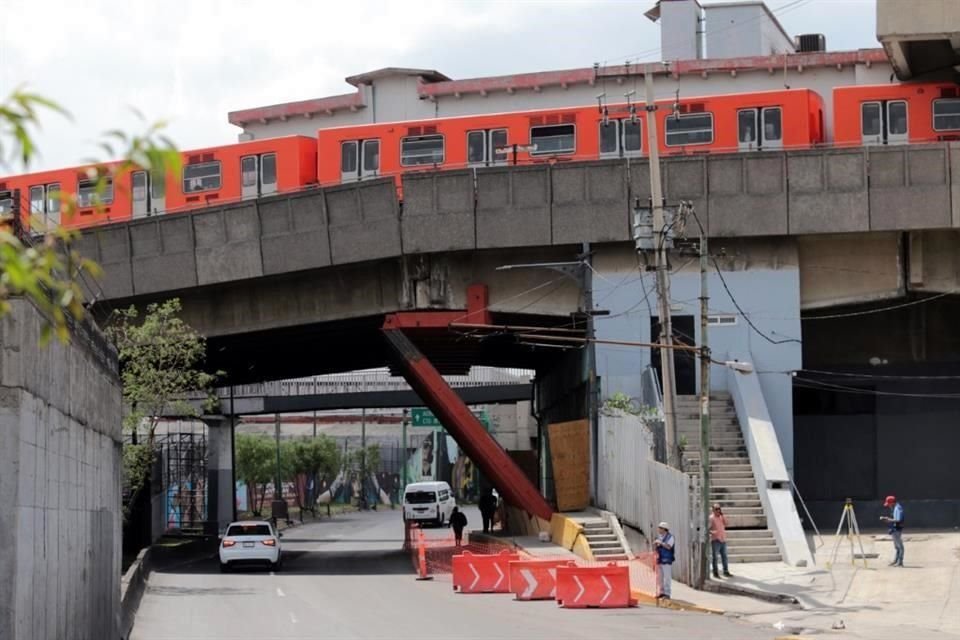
x=258, y=175
x=359, y=159
x=487, y=147
x=884, y=122
x=760, y=129
x=147, y=193
x=45, y=203
x=620, y=138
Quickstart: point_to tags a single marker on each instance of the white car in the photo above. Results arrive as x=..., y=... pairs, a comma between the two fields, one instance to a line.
x=250, y=542
x=428, y=501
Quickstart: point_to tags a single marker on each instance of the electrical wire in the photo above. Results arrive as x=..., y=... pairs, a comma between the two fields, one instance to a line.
x=743, y=314
x=863, y=376
x=866, y=312
x=810, y=383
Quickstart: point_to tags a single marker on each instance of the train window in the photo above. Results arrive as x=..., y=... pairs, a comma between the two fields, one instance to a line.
x=348, y=157
x=897, y=117
x=476, y=147
x=158, y=186
x=946, y=115
x=6, y=202
x=417, y=150
x=694, y=128
x=498, y=141
x=870, y=119
x=201, y=177
x=371, y=156
x=139, y=186
x=631, y=137
x=53, y=202
x=609, y=138
x=268, y=169
x=772, y=124
x=248, y=171
x=553, y=139
x=88, y=196
x=747, y=126
x=37, y=197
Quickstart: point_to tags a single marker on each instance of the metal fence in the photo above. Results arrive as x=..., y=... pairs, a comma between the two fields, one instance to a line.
x=643, y=492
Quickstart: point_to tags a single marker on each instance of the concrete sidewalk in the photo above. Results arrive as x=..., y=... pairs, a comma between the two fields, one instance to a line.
x=876, y=601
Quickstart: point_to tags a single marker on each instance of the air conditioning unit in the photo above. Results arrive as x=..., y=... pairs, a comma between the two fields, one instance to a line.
x=810, y=42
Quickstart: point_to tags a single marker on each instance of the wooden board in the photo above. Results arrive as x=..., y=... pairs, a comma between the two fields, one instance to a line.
x=570, y=458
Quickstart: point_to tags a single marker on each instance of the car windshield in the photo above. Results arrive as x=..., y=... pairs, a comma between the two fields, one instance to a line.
x=249, y=530
x=421, y=497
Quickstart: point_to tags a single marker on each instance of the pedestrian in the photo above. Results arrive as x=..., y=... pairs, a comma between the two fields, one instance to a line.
x=488, y=507
x=665, y=556
x=718, y=540
x=895, y=522
x=457, y=522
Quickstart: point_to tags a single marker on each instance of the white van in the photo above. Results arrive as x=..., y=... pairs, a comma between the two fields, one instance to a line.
x=428, y=501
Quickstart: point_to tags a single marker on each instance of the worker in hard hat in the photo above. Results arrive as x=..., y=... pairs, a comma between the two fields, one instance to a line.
x=895, y=522
x=663, y=545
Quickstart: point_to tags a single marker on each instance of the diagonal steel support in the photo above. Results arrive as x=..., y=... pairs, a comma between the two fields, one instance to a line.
x=460, y=422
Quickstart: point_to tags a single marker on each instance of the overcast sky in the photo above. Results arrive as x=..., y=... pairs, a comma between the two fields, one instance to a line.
x=191, y=62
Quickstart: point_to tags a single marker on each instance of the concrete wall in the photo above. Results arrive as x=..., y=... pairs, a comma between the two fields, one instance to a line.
x=59, y=483
x=765, y=280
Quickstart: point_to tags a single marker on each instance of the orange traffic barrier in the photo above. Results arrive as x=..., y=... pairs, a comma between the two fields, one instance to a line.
x=605, y=587
x=483, y=573
x=535, y=579
x=422, y=557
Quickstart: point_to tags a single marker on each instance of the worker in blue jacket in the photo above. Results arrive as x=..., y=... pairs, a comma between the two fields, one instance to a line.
x=895, y=522
x=664, y=546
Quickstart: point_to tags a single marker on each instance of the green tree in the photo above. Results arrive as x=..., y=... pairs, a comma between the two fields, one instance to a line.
x=256, y=466
x=311, y=458
x=160, y=359
x=49, y=271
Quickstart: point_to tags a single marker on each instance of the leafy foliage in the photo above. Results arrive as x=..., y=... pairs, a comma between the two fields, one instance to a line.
x=255, y=463
x=160, y=359
x=49, y=272
x=621, y=402
x=136, y=466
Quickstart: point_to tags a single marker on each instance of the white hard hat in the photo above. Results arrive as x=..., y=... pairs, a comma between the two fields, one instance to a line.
x=664, y=525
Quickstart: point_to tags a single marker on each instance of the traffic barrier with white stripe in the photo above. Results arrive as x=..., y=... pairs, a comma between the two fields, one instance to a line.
x=535, y=579
x=483, y=573
x=604, y=587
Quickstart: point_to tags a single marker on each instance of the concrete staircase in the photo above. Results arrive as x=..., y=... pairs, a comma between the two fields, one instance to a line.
x=732, y=483
x=604, y=542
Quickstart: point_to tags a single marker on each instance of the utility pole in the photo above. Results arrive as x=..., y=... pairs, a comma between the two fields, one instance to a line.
x=363, y=457
x=663, y=276
x=704, y=402
x=278, y=488
x=590, y=353
x=404, y=454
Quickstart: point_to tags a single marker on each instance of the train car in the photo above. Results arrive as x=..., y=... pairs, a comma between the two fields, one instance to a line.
x=896, y=113
x=790, y=118
x=216, y=175
x=230, y=173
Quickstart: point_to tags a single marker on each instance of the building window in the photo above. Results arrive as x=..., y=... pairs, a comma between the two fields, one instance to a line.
x=555, y=139
x=201, y=177
x=690, y=129
x=946, y=115
x=87, y=195
x=722, y=320
x=419, y=150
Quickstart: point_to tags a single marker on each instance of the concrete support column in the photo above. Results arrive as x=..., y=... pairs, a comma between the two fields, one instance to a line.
x=220, y=488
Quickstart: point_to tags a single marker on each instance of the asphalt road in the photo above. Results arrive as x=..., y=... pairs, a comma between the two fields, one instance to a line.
x=348, y=578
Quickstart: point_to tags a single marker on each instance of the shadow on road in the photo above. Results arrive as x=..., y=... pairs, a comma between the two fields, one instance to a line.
x=318, y=563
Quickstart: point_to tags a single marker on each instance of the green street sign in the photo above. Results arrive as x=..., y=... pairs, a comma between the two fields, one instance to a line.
x=423, y=417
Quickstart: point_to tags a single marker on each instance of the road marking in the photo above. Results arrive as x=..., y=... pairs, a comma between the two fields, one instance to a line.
x=476, y=575
x=531, y=583
x=609, y=588
x=500, y=571
x=293, y=618
x=281, y=593
x=579, y=584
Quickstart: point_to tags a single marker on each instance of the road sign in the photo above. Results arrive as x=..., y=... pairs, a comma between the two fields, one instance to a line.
x=423, y=417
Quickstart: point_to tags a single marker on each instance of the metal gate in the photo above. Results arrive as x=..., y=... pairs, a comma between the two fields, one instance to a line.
x=183, y=459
